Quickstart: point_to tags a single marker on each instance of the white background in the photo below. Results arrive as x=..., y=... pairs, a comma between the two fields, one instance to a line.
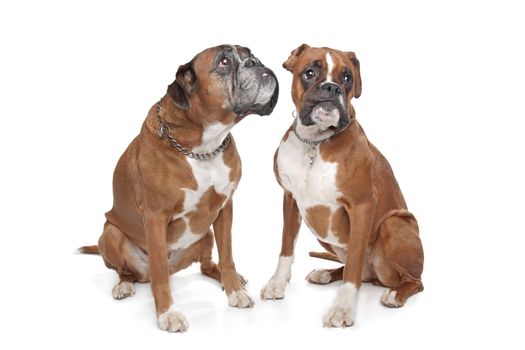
x=443, y=87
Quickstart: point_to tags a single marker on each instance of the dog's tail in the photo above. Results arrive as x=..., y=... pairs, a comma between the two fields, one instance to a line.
x=325, y=255
x=89, y=249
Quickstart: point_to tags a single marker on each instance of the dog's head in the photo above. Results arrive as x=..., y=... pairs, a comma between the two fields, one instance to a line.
x=225, y=80
x=324, y=82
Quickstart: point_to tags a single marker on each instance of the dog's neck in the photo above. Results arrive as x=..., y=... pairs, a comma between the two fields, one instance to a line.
x=188, y=128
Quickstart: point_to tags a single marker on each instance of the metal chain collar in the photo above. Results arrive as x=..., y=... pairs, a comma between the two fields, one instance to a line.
x=312, y=150
x=311, y=143
x=165, y=132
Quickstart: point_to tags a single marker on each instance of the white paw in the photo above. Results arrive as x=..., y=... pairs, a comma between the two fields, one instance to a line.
x=341, y=314
x=320, y=276
x=389, y=298
x=274, y=289
x=123, y=290
x=173, y=321
x=240, y=298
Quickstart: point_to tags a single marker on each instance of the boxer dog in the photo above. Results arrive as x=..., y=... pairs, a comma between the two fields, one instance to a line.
x=343, y=188
x=177, y=179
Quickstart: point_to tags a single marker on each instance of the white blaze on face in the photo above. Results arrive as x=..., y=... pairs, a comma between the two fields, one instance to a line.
x=330, y=67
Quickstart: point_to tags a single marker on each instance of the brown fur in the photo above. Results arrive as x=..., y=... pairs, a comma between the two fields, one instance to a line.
x=325, y=255
x=382, y=237
x=292, y=224
x=92, y=249
x=147, y=189
x=318, y=217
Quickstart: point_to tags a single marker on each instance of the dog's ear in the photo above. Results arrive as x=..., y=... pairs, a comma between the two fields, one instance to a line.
x=357, y=73
x=290, y=62
x=183, y=85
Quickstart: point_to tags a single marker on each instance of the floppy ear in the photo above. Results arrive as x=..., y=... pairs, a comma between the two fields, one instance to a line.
x=357, y=73
x=181, y=88
x=290, y=62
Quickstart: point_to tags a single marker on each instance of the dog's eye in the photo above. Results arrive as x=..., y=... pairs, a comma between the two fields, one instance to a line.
x=347, y=79
x=225, y=61
x=309, y=74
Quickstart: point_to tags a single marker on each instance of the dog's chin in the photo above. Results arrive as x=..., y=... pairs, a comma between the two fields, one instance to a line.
x=315, y=132
x=262, y=104
x=246, y=110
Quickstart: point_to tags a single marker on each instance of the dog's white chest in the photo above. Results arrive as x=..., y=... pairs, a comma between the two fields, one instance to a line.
x=208, y=173
x=212, y=174
x=310, y=184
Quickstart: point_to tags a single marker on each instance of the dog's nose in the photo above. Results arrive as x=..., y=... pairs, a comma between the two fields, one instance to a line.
x=331, y=88
x=252, y=61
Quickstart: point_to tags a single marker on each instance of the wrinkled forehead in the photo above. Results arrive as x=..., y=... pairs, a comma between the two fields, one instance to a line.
x=324, y=58
x=213, y=54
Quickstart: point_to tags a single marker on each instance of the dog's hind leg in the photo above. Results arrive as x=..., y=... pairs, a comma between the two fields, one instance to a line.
x=325, y=276
x=398, y=259
x=126, y=258
x=208, y=266
x=199, y=251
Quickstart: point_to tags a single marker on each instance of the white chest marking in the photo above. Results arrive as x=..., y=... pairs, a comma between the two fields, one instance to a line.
x=330, y=67
x=212, y=137
x=310, y=185
x=208, y=173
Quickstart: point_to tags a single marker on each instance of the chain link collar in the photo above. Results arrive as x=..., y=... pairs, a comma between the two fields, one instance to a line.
x=310, y=143
x=164, y=131
x=312, y=150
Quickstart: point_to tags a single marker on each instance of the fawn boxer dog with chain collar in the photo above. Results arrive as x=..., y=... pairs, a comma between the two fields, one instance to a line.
x=177, y=178
x=343, y=188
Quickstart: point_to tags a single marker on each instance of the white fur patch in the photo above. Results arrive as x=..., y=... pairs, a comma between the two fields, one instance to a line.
x=208, y=173
x=320, y=276
x=330, y=67
x=309, y=185
x=324, y=119
x=389, y=298
x=240, y=298
x=276, y=286
x=173, y=320
x=342, y=312
x=212, y=137
x=123, y=290
x=313, y=132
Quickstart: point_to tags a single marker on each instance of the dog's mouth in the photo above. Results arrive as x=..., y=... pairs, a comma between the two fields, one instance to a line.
x=326, y=115
x=320, y=119
x=267, y=85
x=257, y=93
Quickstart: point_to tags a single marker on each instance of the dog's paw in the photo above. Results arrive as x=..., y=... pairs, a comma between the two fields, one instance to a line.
x=339, y=316
x=389, y=299
x=274, y=289
x=173, y=321
x=240, y=298
x=320, y=276
x=123, y=290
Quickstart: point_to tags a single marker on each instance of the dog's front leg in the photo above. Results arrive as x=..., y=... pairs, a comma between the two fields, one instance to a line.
x=276, y=286
x=169, y=318
x=342, y=311
x=232, y=282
